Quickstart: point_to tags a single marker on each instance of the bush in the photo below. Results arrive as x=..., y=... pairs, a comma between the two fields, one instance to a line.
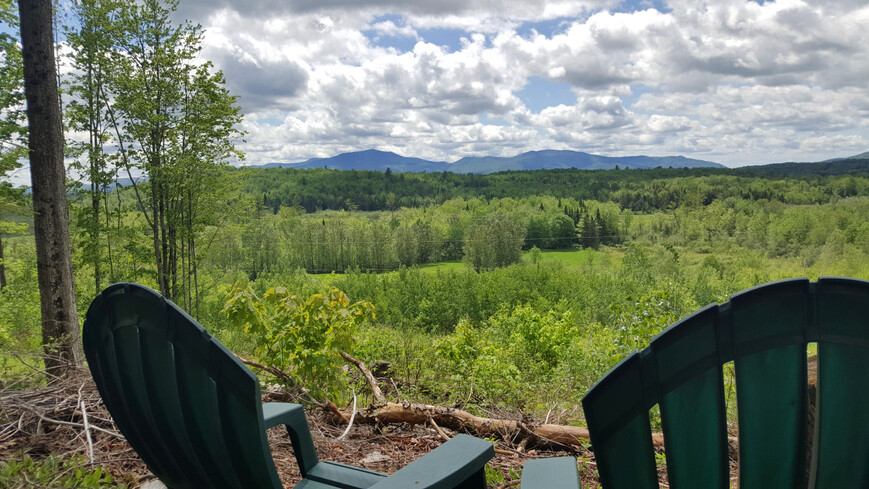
x=301, y=336
x=478, y=363
x=54, y=472
x=535, y=341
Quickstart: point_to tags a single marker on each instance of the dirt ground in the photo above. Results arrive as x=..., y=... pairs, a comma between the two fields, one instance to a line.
x=49, y=420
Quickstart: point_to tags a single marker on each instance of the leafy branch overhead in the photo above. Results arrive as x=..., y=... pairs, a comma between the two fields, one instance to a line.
x=304, y=336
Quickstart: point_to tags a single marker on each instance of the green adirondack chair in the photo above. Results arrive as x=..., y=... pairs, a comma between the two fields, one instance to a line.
x=765, y=332
x=550, y=473
x=192, y=410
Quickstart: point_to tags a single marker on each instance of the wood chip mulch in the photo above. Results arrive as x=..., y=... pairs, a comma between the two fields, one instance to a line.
x=49, y=420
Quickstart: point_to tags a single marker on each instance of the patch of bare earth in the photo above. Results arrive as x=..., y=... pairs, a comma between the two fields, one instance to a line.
x=51, y=420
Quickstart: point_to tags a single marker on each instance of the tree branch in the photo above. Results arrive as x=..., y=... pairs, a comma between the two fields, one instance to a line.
x=375, y=389
x=284, y=377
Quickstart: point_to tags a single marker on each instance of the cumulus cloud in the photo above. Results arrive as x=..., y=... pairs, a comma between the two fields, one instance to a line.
x=434, y=11
x=732, y=80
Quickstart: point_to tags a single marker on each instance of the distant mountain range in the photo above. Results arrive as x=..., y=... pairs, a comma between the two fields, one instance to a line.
x=861, y=156
x=532, y=160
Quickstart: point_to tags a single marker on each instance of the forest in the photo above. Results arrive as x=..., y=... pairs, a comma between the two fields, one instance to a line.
x=504, y=295
x=491, y=304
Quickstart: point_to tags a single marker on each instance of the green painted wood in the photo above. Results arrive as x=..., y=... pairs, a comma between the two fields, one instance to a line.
x=185, y=404
x=629, y=457
x=309, y=484
x=842, y=413
x=769, y=324
x=692, y=411
x=292, y=417
x=343, y=476
x=765, y=332
x=617, y=413
x=550, y=473
x=192, y=410
x=771, y=399
x=458, y=463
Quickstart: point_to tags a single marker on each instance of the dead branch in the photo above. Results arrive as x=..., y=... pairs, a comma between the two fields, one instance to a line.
x=80, y=425
x=372, y=382
x=286, y=378
x=560, y=437
x=437, y=428
x=349, y=423
x=87, y=430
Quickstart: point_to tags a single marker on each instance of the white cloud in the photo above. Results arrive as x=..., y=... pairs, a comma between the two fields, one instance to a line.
x=731, y=80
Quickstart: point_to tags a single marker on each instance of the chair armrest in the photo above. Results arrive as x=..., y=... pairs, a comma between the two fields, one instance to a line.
x=293, y=417
x=459, y=461
x=550, y=473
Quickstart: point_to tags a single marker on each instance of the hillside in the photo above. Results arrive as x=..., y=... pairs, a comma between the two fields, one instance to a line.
x=549, y=160
x=845, y=166
x=532, y=160
x=640, y=190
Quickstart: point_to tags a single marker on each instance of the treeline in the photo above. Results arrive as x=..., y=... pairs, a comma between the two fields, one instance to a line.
x=637, y=190
x=491, y=234
x=813, y=218
x=484, y=234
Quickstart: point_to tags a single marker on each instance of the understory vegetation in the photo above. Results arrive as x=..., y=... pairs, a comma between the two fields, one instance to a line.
x=508, y=303
x=505, y=295
x=502, y=306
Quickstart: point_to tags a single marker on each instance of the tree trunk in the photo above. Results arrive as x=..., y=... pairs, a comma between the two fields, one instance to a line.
x=95, y=235
x=158, y=229
x=108, y=237
x=2, y=267
x=61, y=338
x=562, y=437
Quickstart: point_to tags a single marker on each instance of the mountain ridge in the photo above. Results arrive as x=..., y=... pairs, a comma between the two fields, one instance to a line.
x=531, y=160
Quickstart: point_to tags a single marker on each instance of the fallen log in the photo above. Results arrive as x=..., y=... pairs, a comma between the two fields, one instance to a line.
x=556, y=436
x=565, y=437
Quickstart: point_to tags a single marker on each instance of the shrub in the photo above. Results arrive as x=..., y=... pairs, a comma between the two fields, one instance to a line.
x=302, y=336
x=54, y=472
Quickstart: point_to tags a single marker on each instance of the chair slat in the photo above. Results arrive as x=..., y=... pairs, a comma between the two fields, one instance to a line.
x=134, y=394
x=769, y=330
x=842, y=412
x=161, y=381
x=617, y=412
x=772, y=402
x=198, y=396
x=629, y=459
x=692, y=402
x=239, y=424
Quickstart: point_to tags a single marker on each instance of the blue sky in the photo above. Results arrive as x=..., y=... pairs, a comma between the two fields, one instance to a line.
x=541, y=93
x=732, y=81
